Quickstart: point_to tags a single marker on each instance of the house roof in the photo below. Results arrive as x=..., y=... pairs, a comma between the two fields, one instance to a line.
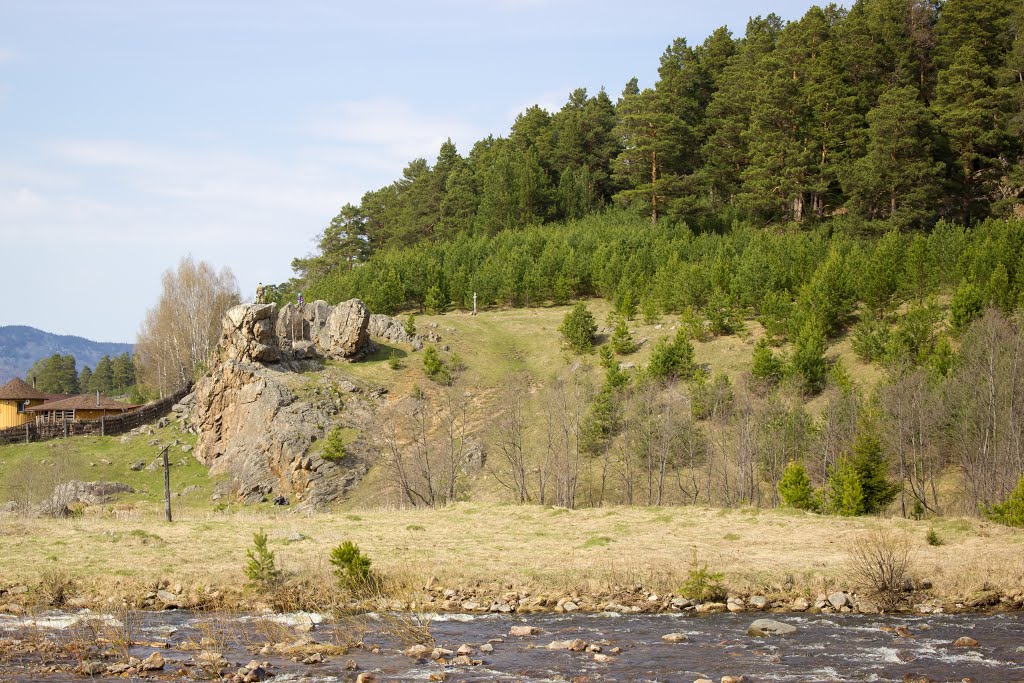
x=83, y=402
x=18, y=390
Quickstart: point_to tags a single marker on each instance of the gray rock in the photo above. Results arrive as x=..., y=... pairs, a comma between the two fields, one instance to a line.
x=800, y=605
x=674, y=638
x=839, y=600
x=138, y=466
x=757, y=602
x=248, y=333
x=345, y=335
x=769, y=627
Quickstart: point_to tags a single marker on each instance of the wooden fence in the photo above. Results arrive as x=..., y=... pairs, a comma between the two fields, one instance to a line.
x=107, y=426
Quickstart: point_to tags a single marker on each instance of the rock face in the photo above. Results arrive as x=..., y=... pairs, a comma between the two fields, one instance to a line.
x=387, y=328
x=253, y=426
x=345, y=333
x=248, y=333
x=257, y=418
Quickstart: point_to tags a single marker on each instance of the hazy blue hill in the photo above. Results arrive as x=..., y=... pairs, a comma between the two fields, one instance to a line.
x=21, y=346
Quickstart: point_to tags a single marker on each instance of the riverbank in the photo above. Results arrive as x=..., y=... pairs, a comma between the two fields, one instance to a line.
x=502, y=558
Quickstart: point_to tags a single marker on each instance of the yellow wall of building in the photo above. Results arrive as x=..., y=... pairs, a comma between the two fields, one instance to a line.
x=9, y=415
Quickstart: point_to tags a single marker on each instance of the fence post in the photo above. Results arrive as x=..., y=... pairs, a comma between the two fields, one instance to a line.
x=103, y=425
x=26, y=432
x=167, y=485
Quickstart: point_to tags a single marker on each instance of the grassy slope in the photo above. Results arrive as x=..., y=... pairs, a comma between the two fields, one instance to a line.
x=118, y=548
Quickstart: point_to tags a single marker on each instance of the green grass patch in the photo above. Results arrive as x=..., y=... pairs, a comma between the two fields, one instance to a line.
x=597, y=542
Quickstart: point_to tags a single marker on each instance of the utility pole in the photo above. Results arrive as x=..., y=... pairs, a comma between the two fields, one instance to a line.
x=167, y=485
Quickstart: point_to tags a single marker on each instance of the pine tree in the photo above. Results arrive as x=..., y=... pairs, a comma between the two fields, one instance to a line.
x=809, y=356
x=622, y=341
x=578, y=328
x=868, y=461
x=898, y=178
x=844, y=495
x=795, y=488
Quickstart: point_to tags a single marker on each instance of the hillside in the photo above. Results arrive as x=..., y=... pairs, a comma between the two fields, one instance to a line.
x=21, y=346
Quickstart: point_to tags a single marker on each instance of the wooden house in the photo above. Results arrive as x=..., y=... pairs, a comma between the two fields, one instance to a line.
x=75, y=408
x=16, y=397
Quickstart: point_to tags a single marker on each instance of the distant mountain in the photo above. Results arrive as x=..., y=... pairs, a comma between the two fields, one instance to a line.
x=21, y=346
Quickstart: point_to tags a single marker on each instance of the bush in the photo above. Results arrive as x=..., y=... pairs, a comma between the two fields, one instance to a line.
x=351, y=566
x=410, y=325
x=880, y=562
x=870, y=338
x=578, y=328
x=394, y=362
x=703, y=585
x=933, y=538
x=260, y=568
x=1011, y=511
x=795, y=488
x=435, y=367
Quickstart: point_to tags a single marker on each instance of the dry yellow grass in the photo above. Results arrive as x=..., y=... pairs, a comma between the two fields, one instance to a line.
x=544, y=550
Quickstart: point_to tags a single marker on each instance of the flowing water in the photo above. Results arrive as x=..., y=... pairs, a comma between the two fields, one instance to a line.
x=825, y=647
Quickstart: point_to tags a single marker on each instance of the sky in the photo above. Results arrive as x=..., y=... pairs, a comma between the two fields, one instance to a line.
x=134, y=133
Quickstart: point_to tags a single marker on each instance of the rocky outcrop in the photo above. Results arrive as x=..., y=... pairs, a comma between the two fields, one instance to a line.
x=248, y=333
x=254, y=427
x=387, y=328
x=345, y=333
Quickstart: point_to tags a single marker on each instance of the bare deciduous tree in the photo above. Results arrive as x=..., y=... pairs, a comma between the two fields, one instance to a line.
x=181, y=330
x=507, y=438
x=986, y=399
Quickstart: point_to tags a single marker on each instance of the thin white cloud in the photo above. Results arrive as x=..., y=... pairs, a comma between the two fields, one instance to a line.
x=390, y=129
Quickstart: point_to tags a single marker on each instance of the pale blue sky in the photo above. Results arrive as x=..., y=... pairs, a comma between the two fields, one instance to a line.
x=134, y=132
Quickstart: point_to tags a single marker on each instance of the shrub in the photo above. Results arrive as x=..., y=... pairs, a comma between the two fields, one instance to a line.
x=351, y=566
x=1011, y=511
x=435, y=367
x=870, y=338
x=880, y=562
x=578, y=328
x=703, y=585
x=260, y=568
x=933, y=538
x=394, y=362
x=795, y=488
x=410, y=325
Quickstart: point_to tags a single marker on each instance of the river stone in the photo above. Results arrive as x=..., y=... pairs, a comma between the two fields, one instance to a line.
x=674, y=638
x=418, y=651
x=735, y=605
x=769, y=627
x=603, y=659
x=486, y=647
x=88, y=668
x=757, y=602
x=154, y=662
x=839, y=600
x=965, y=641
x=465, y=650
x=524, y=631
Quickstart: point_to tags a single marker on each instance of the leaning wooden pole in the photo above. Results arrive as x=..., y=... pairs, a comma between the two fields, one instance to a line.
x=167, y=485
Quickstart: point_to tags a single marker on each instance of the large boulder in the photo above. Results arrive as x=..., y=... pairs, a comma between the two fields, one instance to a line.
x=769, y=627
x=345, y=334
x=249, y=333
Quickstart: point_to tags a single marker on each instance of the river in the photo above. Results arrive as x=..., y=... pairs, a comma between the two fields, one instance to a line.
x=47, y=647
